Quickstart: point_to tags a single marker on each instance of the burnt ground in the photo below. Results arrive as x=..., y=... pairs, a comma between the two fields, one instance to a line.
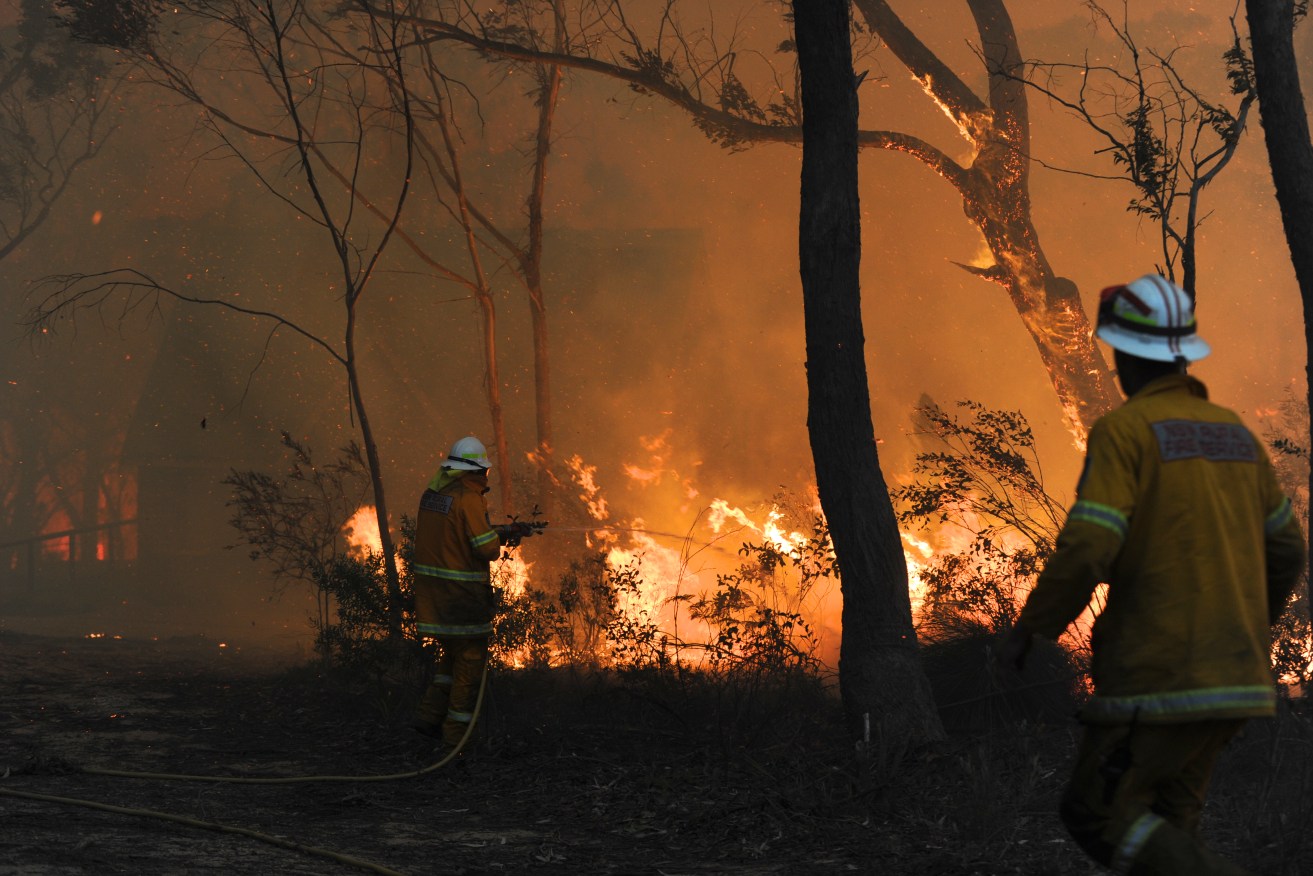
x=569, y=774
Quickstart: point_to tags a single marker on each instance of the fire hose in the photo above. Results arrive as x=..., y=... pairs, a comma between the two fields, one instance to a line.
x=524, y=531
x=315, y=851
x=205, y=825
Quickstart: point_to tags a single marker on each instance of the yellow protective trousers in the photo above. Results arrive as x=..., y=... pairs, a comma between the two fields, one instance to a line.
x=1137, y=792
x=451, y=695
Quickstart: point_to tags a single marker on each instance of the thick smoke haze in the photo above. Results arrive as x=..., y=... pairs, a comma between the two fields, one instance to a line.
x=673, y=301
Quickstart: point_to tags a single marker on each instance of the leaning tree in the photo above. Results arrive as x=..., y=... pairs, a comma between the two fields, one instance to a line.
x=698, y=70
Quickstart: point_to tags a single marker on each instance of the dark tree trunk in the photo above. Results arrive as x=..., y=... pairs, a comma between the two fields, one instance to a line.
x=880, y=676
x=1285, y=128
x=1289, y=150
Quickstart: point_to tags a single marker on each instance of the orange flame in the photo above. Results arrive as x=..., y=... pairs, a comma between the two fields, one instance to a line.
x=361, y=533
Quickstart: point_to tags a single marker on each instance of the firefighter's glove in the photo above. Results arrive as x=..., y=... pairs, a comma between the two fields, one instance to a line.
x=1014, y=648
x=511, y=534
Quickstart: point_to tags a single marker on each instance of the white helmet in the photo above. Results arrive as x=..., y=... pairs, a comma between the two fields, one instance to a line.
x=1152, y=318
x=468, y=454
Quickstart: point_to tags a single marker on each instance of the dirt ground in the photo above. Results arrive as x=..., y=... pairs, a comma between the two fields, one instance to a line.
x=570, y=775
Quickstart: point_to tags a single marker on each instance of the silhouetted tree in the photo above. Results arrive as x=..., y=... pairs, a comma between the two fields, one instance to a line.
x=318, y=108
x=1289, y=150
x=1164, y=136
x=55, y=115
x=884, y=688
x=697, y=71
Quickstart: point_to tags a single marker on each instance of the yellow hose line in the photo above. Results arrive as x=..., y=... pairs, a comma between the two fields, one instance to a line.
x=299, y=780
x=207, y=825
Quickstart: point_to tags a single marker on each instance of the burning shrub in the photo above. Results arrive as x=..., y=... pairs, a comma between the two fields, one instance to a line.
x=756, y=623
x=637, y=643
x=1292, y=638
x=525, y=626
x=985, y=481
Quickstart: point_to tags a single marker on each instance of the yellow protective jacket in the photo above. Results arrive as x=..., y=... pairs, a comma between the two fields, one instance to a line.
x=1178, y=510
x=454, y=545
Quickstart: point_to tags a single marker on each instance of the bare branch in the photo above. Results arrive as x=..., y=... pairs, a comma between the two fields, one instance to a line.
x=75, y=293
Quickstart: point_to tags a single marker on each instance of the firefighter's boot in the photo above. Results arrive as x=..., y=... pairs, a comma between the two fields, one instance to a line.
x=432, y=708
x=468, y=656
x=1169, y=851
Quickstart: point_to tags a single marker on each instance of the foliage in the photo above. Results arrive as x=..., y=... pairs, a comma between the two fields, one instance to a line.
x=985, y=581
x=295, y=522
x=757, y=625
x=525, y=625
x=1292, y=638
x=355, y=636
x=55, y=95
x=587, y=601
x=1164, y=135
x=116, y=24
x=637, y=642
x=983, y=478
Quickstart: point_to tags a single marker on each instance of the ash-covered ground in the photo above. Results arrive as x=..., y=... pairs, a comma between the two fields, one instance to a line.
x=569, y=772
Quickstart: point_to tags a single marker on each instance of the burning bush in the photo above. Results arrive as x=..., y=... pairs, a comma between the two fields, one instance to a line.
x=982, y=480
x=1292, y=645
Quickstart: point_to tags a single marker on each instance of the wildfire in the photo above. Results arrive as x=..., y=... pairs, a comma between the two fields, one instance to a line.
x=361, y=533
x=770, y=531
x=915, y=564
x=585, y=476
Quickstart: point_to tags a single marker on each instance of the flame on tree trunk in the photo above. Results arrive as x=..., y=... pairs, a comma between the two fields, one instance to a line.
x=880, y=676
x=993, y=185
x=995, y=192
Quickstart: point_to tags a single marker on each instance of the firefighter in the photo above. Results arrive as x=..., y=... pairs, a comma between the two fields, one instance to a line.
x=454, y=545
x=1179, y=512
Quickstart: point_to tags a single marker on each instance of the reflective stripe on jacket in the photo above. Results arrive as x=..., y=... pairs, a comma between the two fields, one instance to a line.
x=454, y=545
x=1179, y=511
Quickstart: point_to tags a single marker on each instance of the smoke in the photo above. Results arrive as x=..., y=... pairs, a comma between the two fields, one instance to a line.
x=674, y=308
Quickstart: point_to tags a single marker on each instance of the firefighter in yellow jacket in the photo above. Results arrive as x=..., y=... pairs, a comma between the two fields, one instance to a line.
x=1179, y=512
x=454, y=545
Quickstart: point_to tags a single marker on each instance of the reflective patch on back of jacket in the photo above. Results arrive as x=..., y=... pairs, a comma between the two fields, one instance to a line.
x=431, y=501
x=1215, y=442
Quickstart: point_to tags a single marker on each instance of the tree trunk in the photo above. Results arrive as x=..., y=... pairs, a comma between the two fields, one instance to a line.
x=390, y=571
x=531, y=267
x=880, y=675
x=1289, y=149
x=995, y=192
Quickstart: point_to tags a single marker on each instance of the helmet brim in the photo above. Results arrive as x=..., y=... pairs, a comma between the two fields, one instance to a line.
x=464, y=466
x=1191, y=348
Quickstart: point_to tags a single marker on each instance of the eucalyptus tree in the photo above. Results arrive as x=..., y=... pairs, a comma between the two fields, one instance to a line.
x=257, y=67
x=1163, y=134
x=885, y=692
x=700, y=68
x=57, y=111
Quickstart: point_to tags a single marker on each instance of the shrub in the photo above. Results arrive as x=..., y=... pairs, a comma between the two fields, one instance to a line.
x=295, y=522
x=986, y=481
x=1292, y=638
